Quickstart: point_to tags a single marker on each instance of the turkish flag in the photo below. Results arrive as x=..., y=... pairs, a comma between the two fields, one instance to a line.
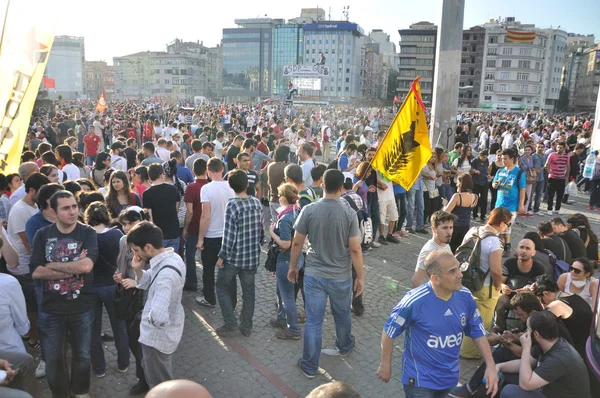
x=101, y=106
x=49, y=83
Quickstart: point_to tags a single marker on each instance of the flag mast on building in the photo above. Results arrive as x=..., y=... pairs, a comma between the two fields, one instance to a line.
x=101, y=105
x=27, y=37
x=405, y=149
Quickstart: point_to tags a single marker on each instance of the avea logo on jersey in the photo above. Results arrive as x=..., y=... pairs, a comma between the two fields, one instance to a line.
x=449, y=341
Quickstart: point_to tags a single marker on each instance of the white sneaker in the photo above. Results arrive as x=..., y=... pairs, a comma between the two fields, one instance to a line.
x=202, y=301
x=560, y=213
x=549, y=212
x=375, y=244
x=40, y=371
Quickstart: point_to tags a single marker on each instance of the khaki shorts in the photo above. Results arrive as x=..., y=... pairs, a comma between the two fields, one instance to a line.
x=388, y=209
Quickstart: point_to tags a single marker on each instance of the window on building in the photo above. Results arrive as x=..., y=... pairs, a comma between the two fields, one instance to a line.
x=506, y=63
x=507, y=51
x=537, y=66
x=473, y=48
x=464, y=49
x=491, y=63
x=463, y=72
x=463, y=61
x=488, y=87
x=347, y=70
x=487, y=97
x=525, y=51
x=493, y=39
x=471, y=72
x=516, y=99
x=347, y=88
x=521, y=88
x=524, y=64
x=503, y=87
x=167, y=81
x=522, y=76
x=490, y=76
x=466, y=37
x=504, y=75
x=492, y=51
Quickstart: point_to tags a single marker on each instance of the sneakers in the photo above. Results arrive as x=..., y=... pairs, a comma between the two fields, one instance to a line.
x=124, y=370
x=596, y=208
x=422, y=231
x=460, y=392
x=550, y=212
x=225, y=330
x=392, y=238
x=375, y=244
x=308, y=375
x=287, y=335
x=411, y=231
x=277, y=324
x=202, y=301
x=101, y=375
x=560, y=212
x=40, y=371
x=590, y=207
x=139, y=388
x=382, y=241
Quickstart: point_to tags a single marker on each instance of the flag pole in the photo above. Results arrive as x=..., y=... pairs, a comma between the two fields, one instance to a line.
x=412, y=88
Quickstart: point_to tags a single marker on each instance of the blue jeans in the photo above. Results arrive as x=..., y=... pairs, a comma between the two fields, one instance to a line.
x=104, y=297
x=191, y=279
x=174, y=243
x=538, y=191
x=415, y=197
x=39, y=292
x=418, y=392
x=226, y=282
x=286, y=305
x=90, y=159
x=317, y=290
x=514, y=391
x=401, y=205
x=53, y=335
x=445, y=191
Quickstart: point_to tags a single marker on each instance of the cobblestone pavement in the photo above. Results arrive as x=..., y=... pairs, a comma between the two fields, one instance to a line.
x=263, y=366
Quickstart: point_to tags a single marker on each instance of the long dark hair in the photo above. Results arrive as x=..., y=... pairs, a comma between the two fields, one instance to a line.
x=112, y=199
x=100, y=159
x=170, y=169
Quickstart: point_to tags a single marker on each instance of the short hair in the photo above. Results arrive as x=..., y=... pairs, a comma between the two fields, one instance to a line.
x=161, y=141
x=334, y=389
x=238, y=137
x=133, y=214
x=510, y=153
x=208, y=145
x=130, y=141
x=155, y=170
x=73, y=187
x=440, y=217
x=432, y=262
x=199, y=167
x=149, y=146
x=28, y=168
x=46, y=192
x=282, y=154
x=317, y=172
x=214, y=165
x=220, y=134
x=543, y=283
x=333, y=180
x=305, y=146
x=196, y=145
x=249, y=143
x=87, y=198
x=62, y=194
x=97, y=213
x=558, y=221
x=242, y=155
x=294, y=173
x=526, y=301
x=545, y=227
x=238, y=180
x=65, y=152
x=499, y=215
x=544, y=322
x=145, y=233
x=36, y=181
x=351, y=146
x=561, y=143
x=458, y=146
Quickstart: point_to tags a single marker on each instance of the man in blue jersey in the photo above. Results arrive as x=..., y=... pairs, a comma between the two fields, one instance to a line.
x=436, y=317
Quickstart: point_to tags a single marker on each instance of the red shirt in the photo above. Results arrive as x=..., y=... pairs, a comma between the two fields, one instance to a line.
x=131, y=133
x=192, y=195
x=264, y=149
x=148, y=130
x=91, y=144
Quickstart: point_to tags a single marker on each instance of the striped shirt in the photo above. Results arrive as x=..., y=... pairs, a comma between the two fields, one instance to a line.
x=557, y=165
x=243, y=233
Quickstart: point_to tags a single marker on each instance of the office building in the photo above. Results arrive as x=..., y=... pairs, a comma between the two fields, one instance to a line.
x=340, y=44
x=288, y=49
x=247, y=59
x=374, y=75
x=417, y=58
x=576, y=44
x=66, y=66
x=588, y=79
x=471, y=67
x=99, y=77
x=214, y=72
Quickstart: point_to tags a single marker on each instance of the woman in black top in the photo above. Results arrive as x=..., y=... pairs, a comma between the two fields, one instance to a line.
x=97, y=217
x=495, y=165
x=571, y=308
x=580, y=224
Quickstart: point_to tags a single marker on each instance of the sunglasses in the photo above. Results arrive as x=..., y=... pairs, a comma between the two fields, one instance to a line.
x=576, y=270
x=508, y=224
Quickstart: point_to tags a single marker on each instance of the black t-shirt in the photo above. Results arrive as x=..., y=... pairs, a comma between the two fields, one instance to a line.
x=371, y=180
x=580, y=321
x=564, y=370
x=575, y=243
x=516, y=278
x=252, y=180
x=162, y=199
x=108, y=251
x=231, y=156
x=73, y=295
x=130, y=154
x=559, y=247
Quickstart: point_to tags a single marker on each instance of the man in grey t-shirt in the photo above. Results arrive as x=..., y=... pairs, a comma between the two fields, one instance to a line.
x=335, y=246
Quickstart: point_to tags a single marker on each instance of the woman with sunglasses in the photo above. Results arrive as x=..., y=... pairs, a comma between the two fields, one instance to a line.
x=579, y=280
x=574, y=311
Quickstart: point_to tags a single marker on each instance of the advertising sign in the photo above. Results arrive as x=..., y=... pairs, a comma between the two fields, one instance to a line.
x=305, y=70
x=307, y=84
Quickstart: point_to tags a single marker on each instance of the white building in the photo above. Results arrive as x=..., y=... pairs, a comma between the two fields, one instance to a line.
x=521, y=76
x=66, y=66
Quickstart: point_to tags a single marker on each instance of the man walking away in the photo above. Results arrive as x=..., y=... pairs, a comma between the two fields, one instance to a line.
x=239, y=254
x=161, y=327
x=558, y=169
x=335, y=246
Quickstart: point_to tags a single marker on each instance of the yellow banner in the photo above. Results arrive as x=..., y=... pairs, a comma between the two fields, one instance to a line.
x=27, y=36
x=405, y=149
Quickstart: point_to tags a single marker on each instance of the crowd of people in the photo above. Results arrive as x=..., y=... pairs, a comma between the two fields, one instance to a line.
x=109, y=213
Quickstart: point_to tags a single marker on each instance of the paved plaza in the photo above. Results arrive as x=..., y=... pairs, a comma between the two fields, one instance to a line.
x=263, y=366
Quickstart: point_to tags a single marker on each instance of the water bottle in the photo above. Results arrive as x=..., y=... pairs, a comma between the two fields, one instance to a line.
x=590, y=163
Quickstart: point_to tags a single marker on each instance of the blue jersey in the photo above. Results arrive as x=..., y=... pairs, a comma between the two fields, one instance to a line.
x=435, y=329
x=510, y=185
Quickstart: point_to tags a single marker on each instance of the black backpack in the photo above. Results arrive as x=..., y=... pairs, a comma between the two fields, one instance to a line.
x=468, y=255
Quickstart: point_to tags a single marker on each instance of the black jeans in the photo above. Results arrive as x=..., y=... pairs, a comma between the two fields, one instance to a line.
x=500, y=355
x=210, y=255
x=431, y=205
x=481, y=208
x=136, y=350
x=555, y=186
x=401, y=205
x=494, y=196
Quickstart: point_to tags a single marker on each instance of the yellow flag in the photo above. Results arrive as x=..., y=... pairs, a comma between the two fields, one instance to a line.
x=27, y=37
x=405, y=149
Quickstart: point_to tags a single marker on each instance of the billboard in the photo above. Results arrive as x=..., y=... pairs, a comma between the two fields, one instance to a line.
x=305, y=70
x=307, y=83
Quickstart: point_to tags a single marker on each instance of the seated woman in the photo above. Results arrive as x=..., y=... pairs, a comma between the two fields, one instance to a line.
x=579, y=280
x=581, y=224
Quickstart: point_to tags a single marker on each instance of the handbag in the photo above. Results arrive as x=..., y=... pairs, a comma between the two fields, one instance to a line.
x=531, y=176
x=128, y=302
x=272, y=254
x=434, y=194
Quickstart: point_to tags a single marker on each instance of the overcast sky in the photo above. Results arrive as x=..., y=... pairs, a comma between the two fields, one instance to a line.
x=121, y=27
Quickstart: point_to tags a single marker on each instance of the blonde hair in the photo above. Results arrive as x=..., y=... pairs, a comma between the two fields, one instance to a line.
x=288, y=191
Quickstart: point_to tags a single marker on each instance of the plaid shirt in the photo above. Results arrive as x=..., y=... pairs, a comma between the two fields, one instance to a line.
x=243, y=233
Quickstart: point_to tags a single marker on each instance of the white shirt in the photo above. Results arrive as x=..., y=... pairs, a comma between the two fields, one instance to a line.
x=18, y=195
x=71, y=171
x=19, y=214
x=217, y=194
x=218, y=149
x=483, y=137
x=13, y=315
x=98, y=131
x=507, y=142
x=163, y=153
x=388, y=194
x=307, y=166
x=118, y=162
x=428, y=248
x=489, y=245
